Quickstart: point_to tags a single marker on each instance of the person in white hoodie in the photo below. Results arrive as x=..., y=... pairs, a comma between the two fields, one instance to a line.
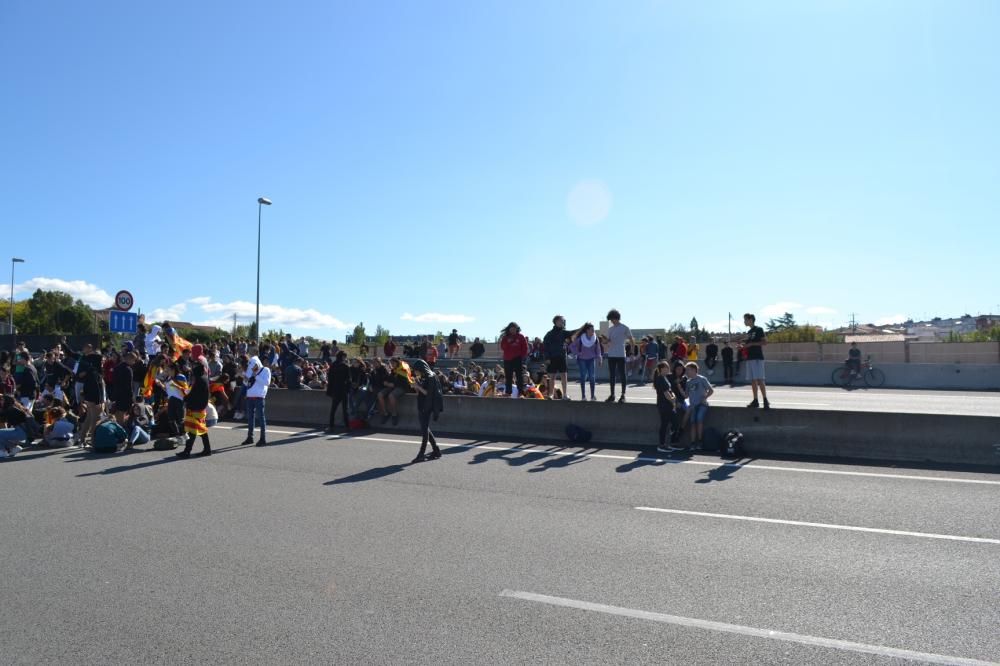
x=153, y=341
x=258, y=379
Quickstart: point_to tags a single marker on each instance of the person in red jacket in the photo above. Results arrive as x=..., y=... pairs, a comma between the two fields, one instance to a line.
x=515, y=350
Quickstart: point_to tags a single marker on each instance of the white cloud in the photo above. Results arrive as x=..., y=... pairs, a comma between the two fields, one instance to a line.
x=722, y=326
x=276, y=316
x=173, y=312
x=438, y=318
x=890, y=319
x=820, y=310
x=778, y=309
x=200, y=300
x=89, y=293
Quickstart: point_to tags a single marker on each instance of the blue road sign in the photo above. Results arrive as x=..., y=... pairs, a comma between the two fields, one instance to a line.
x=123, y=322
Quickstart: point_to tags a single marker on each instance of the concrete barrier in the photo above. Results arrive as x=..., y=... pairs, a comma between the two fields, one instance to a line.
x=915, y=438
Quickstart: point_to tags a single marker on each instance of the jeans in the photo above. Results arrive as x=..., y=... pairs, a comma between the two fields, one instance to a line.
x=587, y=373
x=514, y=374
x=426, y=435
x=11, y=437
x=255, y=412
x=666, y=422
x=616, y=365
x=138, y=436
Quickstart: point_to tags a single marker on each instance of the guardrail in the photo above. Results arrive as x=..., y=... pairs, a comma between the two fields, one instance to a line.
x=913, y=438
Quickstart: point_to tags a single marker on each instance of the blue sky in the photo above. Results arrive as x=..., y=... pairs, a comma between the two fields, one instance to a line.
x=462, y=164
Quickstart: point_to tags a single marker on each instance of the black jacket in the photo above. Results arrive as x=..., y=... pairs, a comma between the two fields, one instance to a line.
x=197, y=397
x=338, y=379
x=121, y=384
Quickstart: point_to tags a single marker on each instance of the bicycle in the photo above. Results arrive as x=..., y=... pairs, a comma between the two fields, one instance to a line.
x=844, y=376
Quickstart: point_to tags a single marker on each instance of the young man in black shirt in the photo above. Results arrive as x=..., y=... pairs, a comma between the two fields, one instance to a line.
x=727, y=363
x=554, y=346
x=754, y=344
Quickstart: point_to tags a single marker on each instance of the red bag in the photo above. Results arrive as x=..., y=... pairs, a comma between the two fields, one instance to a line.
x=357, y=424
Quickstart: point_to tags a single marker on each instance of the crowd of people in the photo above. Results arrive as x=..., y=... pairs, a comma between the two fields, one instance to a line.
x=159, y=385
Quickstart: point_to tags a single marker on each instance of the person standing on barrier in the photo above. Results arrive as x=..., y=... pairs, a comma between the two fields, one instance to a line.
x=338, y=387
x=589, y=354
x=666, y=405
x=258, y=380
x=754, y=345
x=727, y=363
x=618, y=335
x=430, y=403
x=555, y=355
x=515, y=350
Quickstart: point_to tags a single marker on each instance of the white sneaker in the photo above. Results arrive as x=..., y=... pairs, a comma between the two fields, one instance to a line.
x=593, y=398
x=13, y=452
x=238, y=416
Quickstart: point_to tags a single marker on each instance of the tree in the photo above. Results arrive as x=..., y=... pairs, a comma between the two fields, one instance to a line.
x=381, y=335
x=787, y=320
x=359, y=336
x=694, y=324
x=53, y=312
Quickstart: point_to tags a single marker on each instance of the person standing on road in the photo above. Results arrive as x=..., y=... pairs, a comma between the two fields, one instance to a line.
x=587, y=347
x=699, y=390
x=555, y=355
x=338, y=387
x=195, y=414
x=754, y=345
x=666, y=404
x=727, y=363
x=430, y=403
x=618, y=336
x=122, y=393
x=515, y=350
x=258, y=380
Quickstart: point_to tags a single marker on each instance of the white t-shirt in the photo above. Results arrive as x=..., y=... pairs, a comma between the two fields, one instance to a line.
x=618, y=335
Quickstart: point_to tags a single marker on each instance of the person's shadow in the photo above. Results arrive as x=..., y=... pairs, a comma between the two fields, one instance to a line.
x=725, y=470
x=643, y=460
x=560, y=461
x=368, y=475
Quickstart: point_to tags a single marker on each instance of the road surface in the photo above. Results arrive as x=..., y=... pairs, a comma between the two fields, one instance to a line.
x=335, y=550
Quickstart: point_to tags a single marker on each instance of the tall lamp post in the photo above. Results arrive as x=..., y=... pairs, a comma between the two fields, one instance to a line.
x=261, y=202
x=13, y=260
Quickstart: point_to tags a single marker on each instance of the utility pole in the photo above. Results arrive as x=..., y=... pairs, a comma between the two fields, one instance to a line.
x=853, y=324
x=234, y=324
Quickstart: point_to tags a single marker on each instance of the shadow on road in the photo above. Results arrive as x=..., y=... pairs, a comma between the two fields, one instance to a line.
x=369, y=475
x=725, y=470
x=129, y=468
x=562, y=462
x=643, y=460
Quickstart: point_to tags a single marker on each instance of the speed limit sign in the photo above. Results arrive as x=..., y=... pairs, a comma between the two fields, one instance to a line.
x=124, y=300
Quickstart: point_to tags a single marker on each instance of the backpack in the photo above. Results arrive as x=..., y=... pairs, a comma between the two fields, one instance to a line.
x=732, y=445
x=575, y=433
x=167, y=443
x=109, y=437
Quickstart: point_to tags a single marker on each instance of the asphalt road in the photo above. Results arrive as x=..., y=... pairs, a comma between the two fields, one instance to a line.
x=973, y=403
x=335, y=550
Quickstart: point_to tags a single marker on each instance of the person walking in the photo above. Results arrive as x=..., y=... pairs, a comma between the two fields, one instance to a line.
x=515, y=350
x=554, y=344
x=196, y=409
x=258, y=378
x=338, y=387
x=89, y=374
x=430, y=403
x=754, y=344
x=618, y=336
x=589, y=353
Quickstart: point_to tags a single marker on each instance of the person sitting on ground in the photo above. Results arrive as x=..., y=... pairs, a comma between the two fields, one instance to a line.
x=139, y=425
x=58, y=434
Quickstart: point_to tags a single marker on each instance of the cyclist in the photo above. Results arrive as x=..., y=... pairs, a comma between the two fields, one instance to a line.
x=853, y=361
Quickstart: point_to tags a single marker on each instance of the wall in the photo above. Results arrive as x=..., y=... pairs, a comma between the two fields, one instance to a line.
x=914, y=438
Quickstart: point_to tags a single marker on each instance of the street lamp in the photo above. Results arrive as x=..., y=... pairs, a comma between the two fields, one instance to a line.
x=261, y=202
x=13, y=260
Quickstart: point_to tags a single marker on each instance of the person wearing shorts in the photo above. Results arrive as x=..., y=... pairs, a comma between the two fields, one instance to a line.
x=554, y=345
x=699, y=390
x=754, y=345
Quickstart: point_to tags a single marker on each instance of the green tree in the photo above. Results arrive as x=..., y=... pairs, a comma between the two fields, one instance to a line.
x=787, y=320
x=381, y=335
x=53, y=312
x=359, y=336
x=694, y=324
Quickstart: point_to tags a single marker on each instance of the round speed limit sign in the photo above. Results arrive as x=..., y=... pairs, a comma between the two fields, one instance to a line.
x=124, y=300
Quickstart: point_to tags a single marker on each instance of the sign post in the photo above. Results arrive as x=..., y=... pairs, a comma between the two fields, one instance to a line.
x=120, y=320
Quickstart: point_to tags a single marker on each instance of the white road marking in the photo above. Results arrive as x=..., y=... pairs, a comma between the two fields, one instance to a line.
x=798, y=523
x=709, y=625
x=667, y=461
x=269, y=430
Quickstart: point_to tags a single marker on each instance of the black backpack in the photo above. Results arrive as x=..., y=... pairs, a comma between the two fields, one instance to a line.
x=575, y=433
x=732, y=445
